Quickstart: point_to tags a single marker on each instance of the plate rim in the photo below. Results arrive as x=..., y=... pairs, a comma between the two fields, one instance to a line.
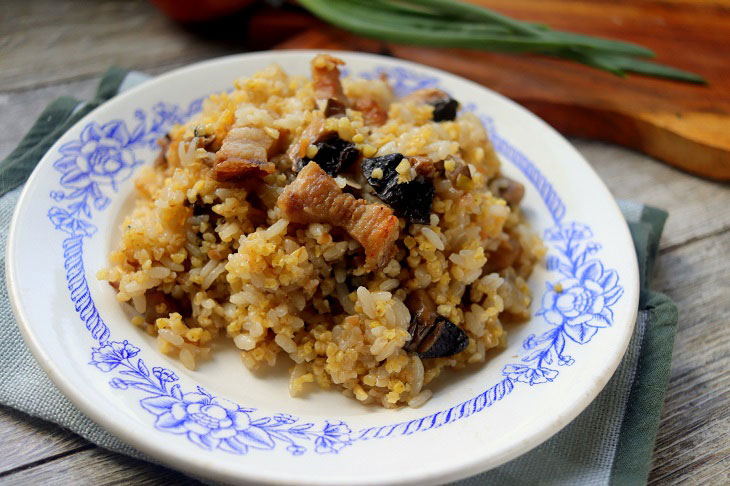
x=136, y=437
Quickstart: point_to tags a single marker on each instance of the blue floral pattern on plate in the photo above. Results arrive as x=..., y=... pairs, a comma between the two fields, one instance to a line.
x=208, y=421
x=103, y=157
x=576, y=304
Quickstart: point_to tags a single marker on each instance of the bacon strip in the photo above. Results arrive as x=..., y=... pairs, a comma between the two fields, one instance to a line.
x=314, y=197
x=327, y=86
x=244, y=153
x=508, y=189
x=372, y=112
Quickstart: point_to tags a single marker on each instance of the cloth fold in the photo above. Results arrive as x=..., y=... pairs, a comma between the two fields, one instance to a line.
x=611, y=442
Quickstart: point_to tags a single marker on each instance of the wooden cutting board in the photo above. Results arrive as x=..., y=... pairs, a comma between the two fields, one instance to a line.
x=687, y=126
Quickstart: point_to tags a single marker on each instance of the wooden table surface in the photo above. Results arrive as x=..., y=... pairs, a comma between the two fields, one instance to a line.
x=50, y=48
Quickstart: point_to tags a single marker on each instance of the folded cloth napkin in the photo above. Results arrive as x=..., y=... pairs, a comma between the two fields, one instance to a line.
x=611, y=442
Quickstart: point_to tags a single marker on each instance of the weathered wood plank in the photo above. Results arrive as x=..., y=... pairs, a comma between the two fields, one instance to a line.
x=26, y=439
x=721, y=477
x=98, y=467
x=45, y=42
x=698, y=465
x=694, y=432
x=697, y=207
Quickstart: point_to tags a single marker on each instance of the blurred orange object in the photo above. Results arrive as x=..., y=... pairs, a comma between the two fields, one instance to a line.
x=197, y=10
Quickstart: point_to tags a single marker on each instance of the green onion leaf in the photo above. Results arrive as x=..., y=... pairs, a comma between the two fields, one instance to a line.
x=451, y=23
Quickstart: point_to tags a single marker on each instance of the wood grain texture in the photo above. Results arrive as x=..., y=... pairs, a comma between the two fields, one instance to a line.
x=692, y=445
x=698, y=207
x=685, y=125
x=98, y=467
x=45, y=42
x=27, y=440
x=694, y=434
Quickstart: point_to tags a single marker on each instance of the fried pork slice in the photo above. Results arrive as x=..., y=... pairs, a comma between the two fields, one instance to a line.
x=372, y=112
x=244, y=153
x=327, y=86
x=314, y=197
x=508, y=189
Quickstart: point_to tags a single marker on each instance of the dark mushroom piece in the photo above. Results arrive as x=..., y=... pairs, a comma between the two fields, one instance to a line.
x=508, y=189
x=444, y=106
x=333, y=154
x=410, y=199
x=445, y=109
x=432, y=335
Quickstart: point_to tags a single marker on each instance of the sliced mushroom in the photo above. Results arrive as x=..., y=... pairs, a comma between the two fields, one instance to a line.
x=432, y=335
x=334, y=107
x=444, y=106
x=508, y=189
x=333, y=154
x=411, y=199
x=460, y=170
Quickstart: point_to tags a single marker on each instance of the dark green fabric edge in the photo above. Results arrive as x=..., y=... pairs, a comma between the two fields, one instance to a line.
x=632, y=460
x=16, y=167
x=638, y=431
x=110, y=82
x=55, y=120
x=655, y=218
x=641, y=235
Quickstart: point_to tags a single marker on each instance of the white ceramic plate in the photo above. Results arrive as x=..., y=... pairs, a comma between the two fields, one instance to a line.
x=67, y=220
